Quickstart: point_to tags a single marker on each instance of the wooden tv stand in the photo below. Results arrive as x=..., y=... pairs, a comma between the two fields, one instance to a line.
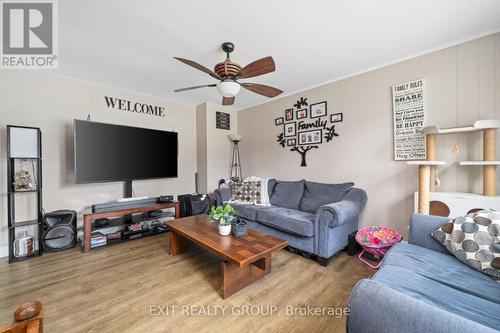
x=88, y=219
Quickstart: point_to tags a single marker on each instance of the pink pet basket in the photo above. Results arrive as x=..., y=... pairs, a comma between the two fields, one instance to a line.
x=376, y=240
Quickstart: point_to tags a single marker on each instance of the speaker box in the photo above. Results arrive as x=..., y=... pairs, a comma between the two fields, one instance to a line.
x=60, y=230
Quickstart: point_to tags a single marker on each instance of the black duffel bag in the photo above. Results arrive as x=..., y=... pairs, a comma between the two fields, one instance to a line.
x=194, y=204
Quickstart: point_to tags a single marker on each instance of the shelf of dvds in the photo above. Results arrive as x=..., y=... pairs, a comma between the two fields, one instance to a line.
x=119, y=215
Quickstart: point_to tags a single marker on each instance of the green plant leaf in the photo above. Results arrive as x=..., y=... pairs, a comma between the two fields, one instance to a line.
x=224, y=214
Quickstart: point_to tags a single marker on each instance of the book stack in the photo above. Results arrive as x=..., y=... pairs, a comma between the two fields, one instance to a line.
x=97, y=239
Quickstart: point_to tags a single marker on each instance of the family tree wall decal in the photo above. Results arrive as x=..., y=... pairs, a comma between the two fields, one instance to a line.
x=304, y=129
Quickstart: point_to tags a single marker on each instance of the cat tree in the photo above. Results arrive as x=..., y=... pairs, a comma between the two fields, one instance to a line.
x=427, y=168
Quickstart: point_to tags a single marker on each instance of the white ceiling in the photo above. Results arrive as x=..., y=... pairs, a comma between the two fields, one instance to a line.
x=130, y=43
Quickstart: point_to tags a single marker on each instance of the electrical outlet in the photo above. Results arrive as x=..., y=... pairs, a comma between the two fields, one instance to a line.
x=456, y=150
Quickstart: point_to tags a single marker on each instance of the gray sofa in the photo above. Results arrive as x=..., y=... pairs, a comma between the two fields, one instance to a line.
x=422, y=288
x=313, y=217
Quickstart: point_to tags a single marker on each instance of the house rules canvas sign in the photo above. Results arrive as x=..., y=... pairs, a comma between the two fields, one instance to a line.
x=408, y=107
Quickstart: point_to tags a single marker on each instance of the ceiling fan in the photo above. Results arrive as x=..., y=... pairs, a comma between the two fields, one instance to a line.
x=228, y=73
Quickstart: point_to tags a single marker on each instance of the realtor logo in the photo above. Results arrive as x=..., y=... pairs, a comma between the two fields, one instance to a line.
x=29, y=39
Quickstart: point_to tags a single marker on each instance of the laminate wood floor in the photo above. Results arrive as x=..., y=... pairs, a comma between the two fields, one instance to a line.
x=137, y=287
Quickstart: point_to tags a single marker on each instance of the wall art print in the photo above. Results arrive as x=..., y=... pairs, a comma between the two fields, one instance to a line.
x=318, y=110
x=222, y=120
x=336, y=117
x=409, y=114
x=290, y=129
x=311, y=128
x=310, y=137
x=301, y=114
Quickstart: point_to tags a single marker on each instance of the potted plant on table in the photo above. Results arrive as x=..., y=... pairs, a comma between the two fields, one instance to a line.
x=224, y=215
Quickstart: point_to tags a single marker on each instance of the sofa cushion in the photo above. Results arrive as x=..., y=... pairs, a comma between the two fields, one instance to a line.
x=437, y=293
x=287, y=194
x=289, y=220
x=377, y=307
x=270, y=186
x=421, y=227
x=222, y=195
x=474, y=239
x=443, y=269
x=318, y=194
x=248, y=212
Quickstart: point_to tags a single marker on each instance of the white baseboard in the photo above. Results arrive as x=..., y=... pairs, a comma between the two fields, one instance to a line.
x=4, y=251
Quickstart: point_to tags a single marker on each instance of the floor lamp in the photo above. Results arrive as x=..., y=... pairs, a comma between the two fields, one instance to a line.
x=235, y=172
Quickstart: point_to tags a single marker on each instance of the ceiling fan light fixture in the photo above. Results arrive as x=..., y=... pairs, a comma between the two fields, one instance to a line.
x=228, y=73
x=228, y=88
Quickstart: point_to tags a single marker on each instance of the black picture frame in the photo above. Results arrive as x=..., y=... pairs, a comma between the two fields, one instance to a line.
x=279, y=121
x=285, y=125
x=301, y=114
x=288, y=114
x=222, y=120
x=319, y=136
x=291, y=142
x=315, y=115
x=336, y=117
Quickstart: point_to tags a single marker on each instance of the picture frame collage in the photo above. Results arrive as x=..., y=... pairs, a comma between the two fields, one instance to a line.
x=305, y=127
x=308, y=137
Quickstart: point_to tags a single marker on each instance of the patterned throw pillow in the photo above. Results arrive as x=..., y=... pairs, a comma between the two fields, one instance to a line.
x=475, y=240
x=247, y=192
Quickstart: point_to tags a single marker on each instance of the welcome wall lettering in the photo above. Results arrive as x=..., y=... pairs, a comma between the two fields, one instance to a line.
x=126, y=105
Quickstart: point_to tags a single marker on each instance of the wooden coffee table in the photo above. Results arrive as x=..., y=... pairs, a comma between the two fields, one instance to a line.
x=243, y=260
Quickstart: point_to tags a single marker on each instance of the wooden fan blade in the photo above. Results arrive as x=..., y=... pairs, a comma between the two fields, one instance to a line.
x=199, y=67
x=227, y=100
x=258, y=67
x=195, y=87
x=261, y=89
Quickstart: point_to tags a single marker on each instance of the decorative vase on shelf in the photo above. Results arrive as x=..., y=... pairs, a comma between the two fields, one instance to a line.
x=24, y=179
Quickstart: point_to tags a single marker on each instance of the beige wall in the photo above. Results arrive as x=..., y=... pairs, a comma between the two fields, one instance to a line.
x=40, y=99
x=462, y=85
x=214, y=146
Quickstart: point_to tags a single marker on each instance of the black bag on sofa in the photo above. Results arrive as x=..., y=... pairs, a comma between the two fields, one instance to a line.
x=194, y=204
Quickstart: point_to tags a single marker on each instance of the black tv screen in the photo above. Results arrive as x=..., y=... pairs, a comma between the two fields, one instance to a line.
x=105, y=152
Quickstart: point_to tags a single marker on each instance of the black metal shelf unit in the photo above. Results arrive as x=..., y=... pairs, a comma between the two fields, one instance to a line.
x=13, y=224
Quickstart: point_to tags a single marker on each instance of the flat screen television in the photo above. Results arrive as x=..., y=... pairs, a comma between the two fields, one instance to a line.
x=107, y=153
